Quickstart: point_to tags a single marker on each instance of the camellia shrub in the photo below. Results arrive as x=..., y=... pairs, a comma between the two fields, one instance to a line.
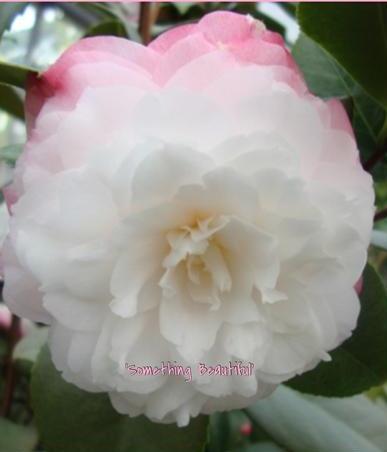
x=189, y=223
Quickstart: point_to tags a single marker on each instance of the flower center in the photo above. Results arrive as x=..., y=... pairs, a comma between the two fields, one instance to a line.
x=196, y=256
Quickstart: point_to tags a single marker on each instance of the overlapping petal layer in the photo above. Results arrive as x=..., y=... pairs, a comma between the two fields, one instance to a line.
x=188, y=202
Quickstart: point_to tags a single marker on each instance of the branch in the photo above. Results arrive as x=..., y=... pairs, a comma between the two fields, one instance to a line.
x=375, y=158
x=145, y=22
x=10, y=376
x=381, y=214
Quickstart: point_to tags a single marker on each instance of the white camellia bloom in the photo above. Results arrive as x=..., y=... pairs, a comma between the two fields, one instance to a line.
x=187, y=203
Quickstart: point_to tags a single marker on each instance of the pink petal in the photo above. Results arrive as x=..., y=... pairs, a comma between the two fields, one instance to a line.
x=166, y=40
x=11, y=195
x=226, y=27
x=273, y=38
x=259, y=52
x=359, y=285
x=116, y=52
x=197, y=74
x=339, y=117
x=180, y=53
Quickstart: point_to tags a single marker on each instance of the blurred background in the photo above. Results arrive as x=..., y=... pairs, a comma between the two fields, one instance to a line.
x=34, y=35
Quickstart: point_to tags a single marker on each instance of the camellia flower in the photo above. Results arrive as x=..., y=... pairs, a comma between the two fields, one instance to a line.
x=186, y=203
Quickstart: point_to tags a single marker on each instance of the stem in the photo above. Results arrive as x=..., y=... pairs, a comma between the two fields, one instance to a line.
x=10, y=375
x=375, y=158
x=145, y=23
x=381, y=215
x=382, y=136
x=381, y=150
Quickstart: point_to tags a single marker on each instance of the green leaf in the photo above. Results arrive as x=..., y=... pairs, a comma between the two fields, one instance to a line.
x=72, y=420
x=361, y=361
x=108, y=28
x=219, y=432
x=225, y=433
x=309, y=424
x=288, y=7
x=8, y=12
x=102, y=9
x=28, y=348
x=324, y=77
x=368, y=119
x=327, y=79
x=183, y=7
x=15, y=75
x=379, y=239
x=11, y=102
x=381, y=196
x=113, y=12
x=11, y=153
x=362, y=414
x=355, y=34
x=266, y=446
x=16, y=438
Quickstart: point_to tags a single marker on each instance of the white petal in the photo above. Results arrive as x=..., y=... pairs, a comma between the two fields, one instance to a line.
x=75, y=313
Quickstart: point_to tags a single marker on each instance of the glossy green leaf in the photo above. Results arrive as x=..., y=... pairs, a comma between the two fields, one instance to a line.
x=8, y=12
x=355, y=34
x=324, y=77
x=266, y=446
x=379, y=239
x=108, y=28
x=381, y=196
x=367, y=121
x=366, y=416
x=103, y=10
x=113, y=12
x=288, y=7
x=219, y=432
x=72, y=420
x=16, y=438
x=316, y=424
x=361, y=361
x=183, y=7
x=11, y=102
x=15, y=75
x=327, y=79
x=28, y=348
